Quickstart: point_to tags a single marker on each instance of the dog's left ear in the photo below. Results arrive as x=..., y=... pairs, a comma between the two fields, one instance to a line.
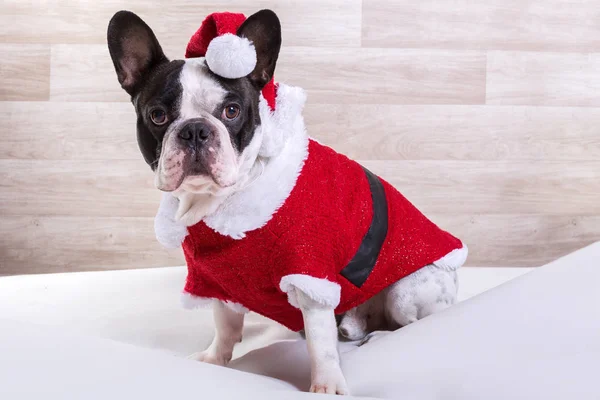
x=264, y=31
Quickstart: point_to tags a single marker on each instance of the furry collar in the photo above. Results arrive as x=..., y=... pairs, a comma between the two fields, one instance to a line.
x=272, y=162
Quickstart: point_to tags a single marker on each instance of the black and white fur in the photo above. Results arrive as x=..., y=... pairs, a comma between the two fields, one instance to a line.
x=233, y=173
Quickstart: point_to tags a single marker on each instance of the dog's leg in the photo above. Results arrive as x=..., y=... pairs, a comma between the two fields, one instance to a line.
x=321, y=338
x=354, y=323
x=422, y=293
x=363, y=319
x=228, y=332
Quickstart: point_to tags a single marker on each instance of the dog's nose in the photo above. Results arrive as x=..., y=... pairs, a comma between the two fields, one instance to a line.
x=194, y=131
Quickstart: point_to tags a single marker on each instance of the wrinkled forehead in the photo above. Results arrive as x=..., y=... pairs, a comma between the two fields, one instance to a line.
x=184, y=84
x=200, y=88
x=191, y=88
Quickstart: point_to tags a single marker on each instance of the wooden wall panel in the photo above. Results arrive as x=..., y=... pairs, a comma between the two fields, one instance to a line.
x=73, y=65
x=500, y=240
x=543, y=79
x=496, y=187
x=24, y=72
x=425, y=132
x=32, y=244
x=382, y=76
x=105, y=188
x=542, y=25
x=96, y=131
x=484, y=114
x=338, y=22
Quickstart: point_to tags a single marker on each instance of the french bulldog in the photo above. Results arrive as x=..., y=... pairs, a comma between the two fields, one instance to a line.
x=228, y=165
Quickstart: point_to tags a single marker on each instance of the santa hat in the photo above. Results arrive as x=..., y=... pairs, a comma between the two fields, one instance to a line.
x=227, y=55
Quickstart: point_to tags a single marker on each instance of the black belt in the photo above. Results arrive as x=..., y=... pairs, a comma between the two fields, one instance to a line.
x=360, y=267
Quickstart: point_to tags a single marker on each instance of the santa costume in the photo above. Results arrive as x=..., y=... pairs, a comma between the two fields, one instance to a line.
x=314, y=220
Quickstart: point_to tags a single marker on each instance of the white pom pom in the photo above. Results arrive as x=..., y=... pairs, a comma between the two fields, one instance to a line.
x=231, y=56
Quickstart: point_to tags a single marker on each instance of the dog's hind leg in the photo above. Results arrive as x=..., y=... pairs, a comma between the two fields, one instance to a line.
x=354, y=323
x=422, y=293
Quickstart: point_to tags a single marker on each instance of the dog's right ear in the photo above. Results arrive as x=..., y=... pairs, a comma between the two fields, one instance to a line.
x=134, y=49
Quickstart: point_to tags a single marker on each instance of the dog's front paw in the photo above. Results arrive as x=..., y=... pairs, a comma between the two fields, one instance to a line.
x=330, y=382
x=211, y=357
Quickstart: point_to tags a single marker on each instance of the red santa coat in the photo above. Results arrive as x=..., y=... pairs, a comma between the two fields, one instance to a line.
x=316, y=233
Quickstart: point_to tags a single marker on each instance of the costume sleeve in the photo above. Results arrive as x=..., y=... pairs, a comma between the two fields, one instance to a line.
x=306, y=261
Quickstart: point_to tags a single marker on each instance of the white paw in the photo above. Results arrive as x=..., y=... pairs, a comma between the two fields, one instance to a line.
x=330, y=383
x=210, y=357
x=351, y=332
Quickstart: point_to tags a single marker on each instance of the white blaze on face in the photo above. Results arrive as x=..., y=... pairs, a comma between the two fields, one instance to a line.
x=201, y=94
x=200, y=91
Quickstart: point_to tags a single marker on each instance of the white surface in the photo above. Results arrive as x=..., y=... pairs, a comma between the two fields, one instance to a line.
x=535, y=336
x=45, y=363
x=142, y=307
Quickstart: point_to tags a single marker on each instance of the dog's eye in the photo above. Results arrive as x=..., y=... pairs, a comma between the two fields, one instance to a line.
x=231, y=112
x=158, y=117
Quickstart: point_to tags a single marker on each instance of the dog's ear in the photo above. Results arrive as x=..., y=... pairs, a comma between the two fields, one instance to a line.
x=134, y=49
x=264, y=31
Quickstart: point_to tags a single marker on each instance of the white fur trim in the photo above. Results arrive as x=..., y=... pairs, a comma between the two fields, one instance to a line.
x=168, y=231
x=283, y=148
x=231, y=56
x=285, y=122
x=191, y=302
x=236, y=307
x=453, y=260
x=322, y=291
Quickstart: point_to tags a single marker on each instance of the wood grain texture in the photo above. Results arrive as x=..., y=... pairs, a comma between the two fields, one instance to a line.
x=496, y=187
x=543, y=79
x=337, y=22
x=380, y=76
x=96, y=131
x=417, y=132
x=72, y=67
x=58, y=244
x=484, y=114
x=24, y=72
x=520, y=239
x=549, y=25
x=79, y=188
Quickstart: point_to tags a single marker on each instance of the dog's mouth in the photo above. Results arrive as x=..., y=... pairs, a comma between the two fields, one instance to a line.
x=205, y=184
x=197, y=156
x=196, y=176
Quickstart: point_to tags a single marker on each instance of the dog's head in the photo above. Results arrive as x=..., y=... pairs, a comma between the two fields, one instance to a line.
x=192, y=125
